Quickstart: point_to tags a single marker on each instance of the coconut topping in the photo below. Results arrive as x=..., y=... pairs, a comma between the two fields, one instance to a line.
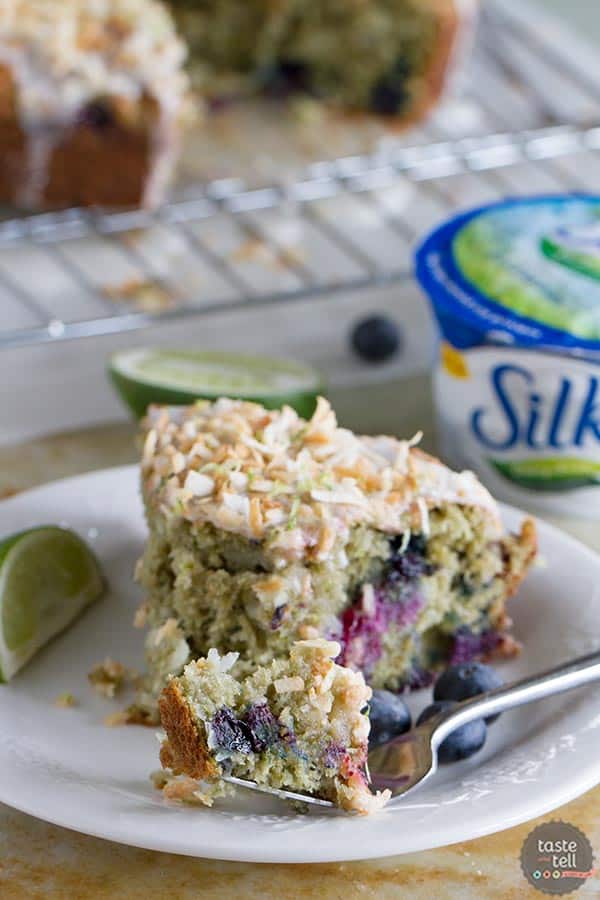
x=65, y=53
x=299, y=486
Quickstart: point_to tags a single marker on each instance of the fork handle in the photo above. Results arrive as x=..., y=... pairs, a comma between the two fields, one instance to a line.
x=566, y=677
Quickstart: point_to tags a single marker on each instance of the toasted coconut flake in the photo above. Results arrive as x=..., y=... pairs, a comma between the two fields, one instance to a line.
x=341, y=496
x=198, y=484
x=256, y=517
x=221, y=663
x=150, y=445
x=424, y=513
x=302, y=485
x=326, y=541
x=238, y=480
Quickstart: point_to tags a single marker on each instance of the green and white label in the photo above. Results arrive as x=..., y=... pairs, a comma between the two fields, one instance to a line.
x=540, y=260
x=528, y=422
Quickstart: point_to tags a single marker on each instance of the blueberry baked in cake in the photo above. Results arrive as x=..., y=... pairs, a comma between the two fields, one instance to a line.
x=299, y=723
x=92, y=98
x=385, y=56
x=266, y=529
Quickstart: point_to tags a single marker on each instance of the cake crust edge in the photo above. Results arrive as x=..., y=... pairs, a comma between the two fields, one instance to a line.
x=185, y=751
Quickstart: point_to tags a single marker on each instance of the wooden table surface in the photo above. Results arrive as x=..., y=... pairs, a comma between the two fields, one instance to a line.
x=38, y=860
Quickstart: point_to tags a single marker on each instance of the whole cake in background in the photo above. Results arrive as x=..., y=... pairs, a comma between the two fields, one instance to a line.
x=384, y=56
x=266, y=529
x=92, y=93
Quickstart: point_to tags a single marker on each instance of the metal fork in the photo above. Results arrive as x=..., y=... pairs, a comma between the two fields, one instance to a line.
x=406, y=762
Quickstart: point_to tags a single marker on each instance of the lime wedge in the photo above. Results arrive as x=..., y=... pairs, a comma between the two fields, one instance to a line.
x=48, y=576
x=550, y=474
x=146, y=375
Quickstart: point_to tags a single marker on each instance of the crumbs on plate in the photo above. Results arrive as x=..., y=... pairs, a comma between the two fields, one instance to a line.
x=182, y=789
x=66, y=700
x=143, y=294
x=110, y=677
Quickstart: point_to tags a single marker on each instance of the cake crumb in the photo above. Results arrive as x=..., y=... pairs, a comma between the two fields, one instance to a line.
x=141, y=616
x=288, y=685
x=144, y=295
x=110, y=677
x=114, y=720
x=141, y=715
x=66, y=700
x=182, y=789
x=308, y=632
x=132, y=715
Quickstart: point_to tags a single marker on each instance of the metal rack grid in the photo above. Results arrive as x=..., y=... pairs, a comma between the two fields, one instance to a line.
x=530, y=115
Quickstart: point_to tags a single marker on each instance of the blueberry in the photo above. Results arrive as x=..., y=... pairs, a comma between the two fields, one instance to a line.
x=408, y=563
x=278, y=616
x=263, y=727
x=229, y=732
x=468, y=645
x=465, y=680
x=285, y=77
x=388, y=97
x=389, y=717
x=376, y=338
x=463, y=742
x=418, y=544
x=390, y=94
x=96, y=115
x=419, y=678
x=411, y=566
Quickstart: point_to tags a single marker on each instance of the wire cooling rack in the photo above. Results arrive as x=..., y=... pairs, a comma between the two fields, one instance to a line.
x=528, y=122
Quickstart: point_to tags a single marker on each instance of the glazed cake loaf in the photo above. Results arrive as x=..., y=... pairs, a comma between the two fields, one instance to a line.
x=266, y=529
x=386, y=56
x=300, y=724
x=92, y=95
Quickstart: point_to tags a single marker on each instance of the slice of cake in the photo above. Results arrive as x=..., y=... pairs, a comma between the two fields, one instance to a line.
x=92, y=96
x=266, y=529
x=300, y=724
x=386, y=56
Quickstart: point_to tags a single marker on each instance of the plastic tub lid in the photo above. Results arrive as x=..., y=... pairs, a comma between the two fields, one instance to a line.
x=523, y=271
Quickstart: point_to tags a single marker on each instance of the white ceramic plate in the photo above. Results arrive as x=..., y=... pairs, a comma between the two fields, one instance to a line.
x=66, y=766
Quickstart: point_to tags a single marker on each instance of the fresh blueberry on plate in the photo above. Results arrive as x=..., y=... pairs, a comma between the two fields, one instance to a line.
x=465, y=680
x=463, y=742
x=376, y=338
x=389, y=717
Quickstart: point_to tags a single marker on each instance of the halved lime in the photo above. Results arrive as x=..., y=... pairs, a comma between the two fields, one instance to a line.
x=148, y=375
x=48, y=575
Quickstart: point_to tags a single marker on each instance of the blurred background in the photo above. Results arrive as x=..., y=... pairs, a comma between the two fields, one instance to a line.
x=580, y=13
x=314, y=234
